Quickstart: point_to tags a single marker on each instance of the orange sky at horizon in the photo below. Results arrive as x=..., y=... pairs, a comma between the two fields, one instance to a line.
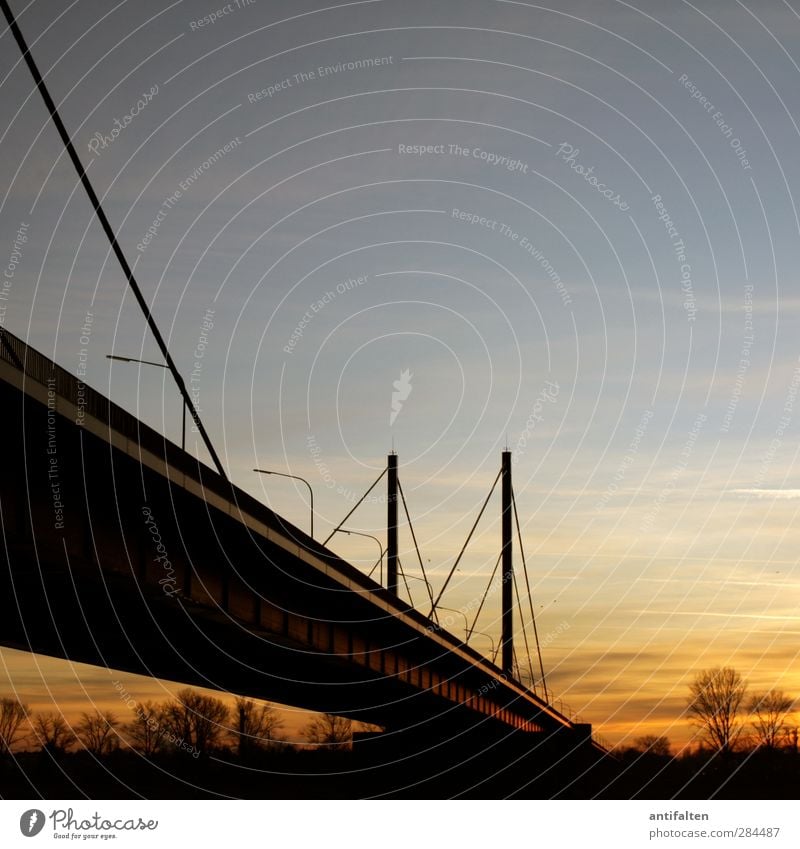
x=48, y=684
x=52, y=684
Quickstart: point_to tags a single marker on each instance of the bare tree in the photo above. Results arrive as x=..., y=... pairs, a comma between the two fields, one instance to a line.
x=329, y=730
x=769, y=711
x=195, y=720
x=98, y=733
x=13, y=715
x=653, y=745
x=715, y=697
x=52, y=732
x=255, y=726
x=146, y=730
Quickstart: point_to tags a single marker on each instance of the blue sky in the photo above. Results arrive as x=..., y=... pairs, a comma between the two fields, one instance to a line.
x=664, y=546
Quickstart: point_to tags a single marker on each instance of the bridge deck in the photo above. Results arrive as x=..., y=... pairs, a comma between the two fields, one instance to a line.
x=235, y=598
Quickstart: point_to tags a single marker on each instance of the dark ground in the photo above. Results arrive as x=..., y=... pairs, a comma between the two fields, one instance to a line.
x=351, y=775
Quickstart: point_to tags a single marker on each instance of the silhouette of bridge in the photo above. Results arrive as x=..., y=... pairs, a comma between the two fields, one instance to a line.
x=123, y=551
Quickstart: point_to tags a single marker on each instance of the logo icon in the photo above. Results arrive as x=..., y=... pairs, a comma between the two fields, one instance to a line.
x=31, y=822
x=402, y=389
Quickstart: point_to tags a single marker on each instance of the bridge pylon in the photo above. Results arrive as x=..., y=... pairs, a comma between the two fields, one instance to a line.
x=391, y=525
x=507, y=640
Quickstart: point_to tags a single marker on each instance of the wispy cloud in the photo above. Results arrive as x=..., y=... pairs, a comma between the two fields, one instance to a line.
x=785, y=494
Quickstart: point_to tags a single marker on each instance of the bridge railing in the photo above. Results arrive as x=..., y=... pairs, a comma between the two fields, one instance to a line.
x=565, y=710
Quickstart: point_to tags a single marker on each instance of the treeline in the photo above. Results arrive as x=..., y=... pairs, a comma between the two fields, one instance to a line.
x=191, y=724
x=746, y=746
x=729, y=718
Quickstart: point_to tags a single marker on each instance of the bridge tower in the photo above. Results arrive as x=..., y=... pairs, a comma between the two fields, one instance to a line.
x=391, y=526
x=508, y=570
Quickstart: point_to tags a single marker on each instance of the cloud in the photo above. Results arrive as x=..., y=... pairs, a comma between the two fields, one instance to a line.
x=785, y=494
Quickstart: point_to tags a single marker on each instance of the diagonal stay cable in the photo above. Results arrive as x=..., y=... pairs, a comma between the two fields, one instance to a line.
x=524, y=632
x=464, y=548
x=485, y=594
x=108, y=229
x=414, y=537
x=530, y=594
x=375, y=566
x=405, y=581
x=338, y=527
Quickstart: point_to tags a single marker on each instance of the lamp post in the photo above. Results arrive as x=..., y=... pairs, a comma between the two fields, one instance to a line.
x=369, y=536
x=491, y=639
x=158, y=365
x=460, y=613
x=296, y=478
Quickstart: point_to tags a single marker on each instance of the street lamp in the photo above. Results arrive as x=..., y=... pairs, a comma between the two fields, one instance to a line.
x=460, y=613
x=380, y=548
x=296, y=478
x=158, y=365
x=491, y=639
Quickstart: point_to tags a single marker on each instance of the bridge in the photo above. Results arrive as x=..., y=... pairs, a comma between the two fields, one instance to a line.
x=123, y=551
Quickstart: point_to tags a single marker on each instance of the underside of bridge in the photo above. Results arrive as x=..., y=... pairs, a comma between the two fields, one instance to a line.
x=124, y=552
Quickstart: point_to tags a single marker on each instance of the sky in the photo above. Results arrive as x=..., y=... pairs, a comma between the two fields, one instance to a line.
x=572, y=229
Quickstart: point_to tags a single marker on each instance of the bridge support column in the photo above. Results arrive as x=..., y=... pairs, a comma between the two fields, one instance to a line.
x=391, y=526
x=508, y=571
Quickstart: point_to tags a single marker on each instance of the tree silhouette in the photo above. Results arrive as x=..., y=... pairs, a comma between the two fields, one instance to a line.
x=769, y=711
x=97, y=732
x=52, y=732
x=652, y=745
x=329, y=730
x=147, y=728
x=195, y=721
x=13, y=715
x=254, y=726
x=715, y=697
